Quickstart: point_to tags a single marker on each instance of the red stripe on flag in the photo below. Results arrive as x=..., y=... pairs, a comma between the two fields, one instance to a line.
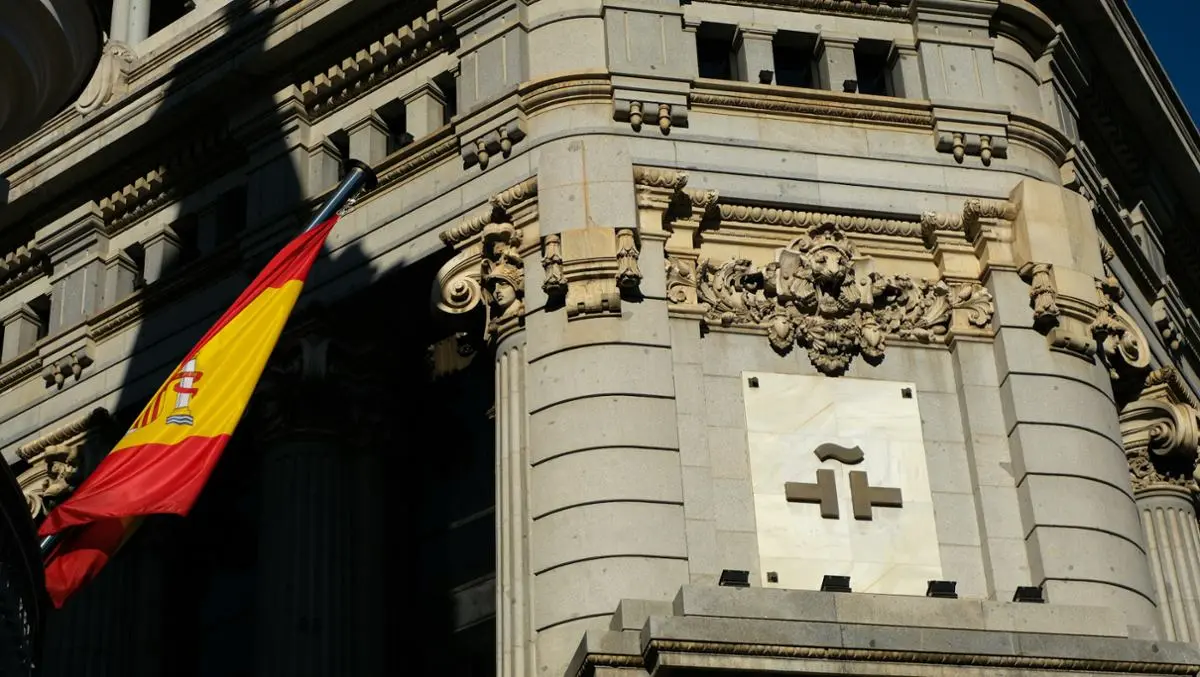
x=144, y=480
x=291, y=263
x=81, y=556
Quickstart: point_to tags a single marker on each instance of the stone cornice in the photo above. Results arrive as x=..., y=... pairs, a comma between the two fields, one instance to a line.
x=895, y=10
x=571, y=88
x=62, y=434
x=811, y=103
x=657, y=652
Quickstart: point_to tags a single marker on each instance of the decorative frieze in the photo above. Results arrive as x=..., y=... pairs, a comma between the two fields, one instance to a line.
x=22, y=265
x=821, y=295
x=811, y=104
x=500, y=203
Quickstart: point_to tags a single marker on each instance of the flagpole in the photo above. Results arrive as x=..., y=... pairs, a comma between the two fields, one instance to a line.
x=359, y=176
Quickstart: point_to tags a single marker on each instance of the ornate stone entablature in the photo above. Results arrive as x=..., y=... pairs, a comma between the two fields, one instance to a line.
x=1161, y=434
x=820, y=289
x=52, y=461
x=820, y=294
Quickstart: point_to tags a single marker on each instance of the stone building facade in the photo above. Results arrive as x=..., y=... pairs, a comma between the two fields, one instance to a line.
x=881, y=307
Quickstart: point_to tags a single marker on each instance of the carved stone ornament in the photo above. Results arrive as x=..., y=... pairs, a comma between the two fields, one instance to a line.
x=1161, y=439
x=1119, y=342
x=820, y=294
x=1043, y=294
x=116, y=59
x=52, y=462
x=503, y=276
x=629, y=275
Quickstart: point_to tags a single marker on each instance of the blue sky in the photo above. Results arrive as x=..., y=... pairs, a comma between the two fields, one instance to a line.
x=1169, y=25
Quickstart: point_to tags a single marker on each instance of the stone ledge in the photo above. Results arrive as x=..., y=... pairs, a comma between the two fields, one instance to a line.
x=730, y=629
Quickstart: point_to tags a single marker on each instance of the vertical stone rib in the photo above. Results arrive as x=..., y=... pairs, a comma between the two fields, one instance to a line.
x=511, y=516
x=1184, y=523
x=1170, y=575
x=503, y=529
x=1152, y=548
x=1173, y=536
x=516, y=432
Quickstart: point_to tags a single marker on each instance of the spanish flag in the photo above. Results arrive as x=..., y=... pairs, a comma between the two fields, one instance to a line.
x=163, y=461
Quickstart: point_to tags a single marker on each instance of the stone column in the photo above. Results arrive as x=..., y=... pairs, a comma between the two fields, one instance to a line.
x=313, y=575
x=603, y=490
x=1161, y=434
x=755, y=54
x=606, y=483
x=1080, y=523
x=514, y=635
x=1169, y=519
x=139, y=21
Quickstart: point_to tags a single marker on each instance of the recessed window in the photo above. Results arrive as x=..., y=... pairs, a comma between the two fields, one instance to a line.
x=871, y=65
x=714, y=50
x=795, y=61
x=395, y=118
x=41, y=308
x=163, y=13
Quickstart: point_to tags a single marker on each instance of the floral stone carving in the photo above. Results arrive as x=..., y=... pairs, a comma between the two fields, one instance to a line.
x=821, y=295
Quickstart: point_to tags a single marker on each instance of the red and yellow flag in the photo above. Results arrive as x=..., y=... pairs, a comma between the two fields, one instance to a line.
x=163, y=461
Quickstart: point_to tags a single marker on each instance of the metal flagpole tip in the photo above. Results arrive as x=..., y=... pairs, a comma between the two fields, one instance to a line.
x=370, y=180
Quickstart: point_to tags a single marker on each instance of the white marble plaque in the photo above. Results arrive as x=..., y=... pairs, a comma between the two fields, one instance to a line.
x=787, y=418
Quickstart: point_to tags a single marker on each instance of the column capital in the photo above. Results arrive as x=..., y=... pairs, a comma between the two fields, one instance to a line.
x=320, y=382
x=1161, y=435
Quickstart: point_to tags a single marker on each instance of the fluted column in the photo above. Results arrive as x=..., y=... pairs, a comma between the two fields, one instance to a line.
x=513, y=630
x=1173, y=540
x=1161, y=435
x=314, y=575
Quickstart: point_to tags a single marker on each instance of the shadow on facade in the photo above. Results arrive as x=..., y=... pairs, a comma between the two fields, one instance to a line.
x=334, y=523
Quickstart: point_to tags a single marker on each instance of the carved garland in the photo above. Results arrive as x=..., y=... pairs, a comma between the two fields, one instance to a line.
x=821, y=295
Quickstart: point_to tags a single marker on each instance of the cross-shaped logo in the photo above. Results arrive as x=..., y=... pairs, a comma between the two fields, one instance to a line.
x=863, y=496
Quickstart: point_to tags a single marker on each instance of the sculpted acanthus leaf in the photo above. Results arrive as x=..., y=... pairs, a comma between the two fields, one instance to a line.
x=820, y=294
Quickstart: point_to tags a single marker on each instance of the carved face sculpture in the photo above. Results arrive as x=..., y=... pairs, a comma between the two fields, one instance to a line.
x=503, y=293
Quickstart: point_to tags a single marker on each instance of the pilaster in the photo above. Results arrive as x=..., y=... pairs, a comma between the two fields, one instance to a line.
x=20, y=333
x=755, y=54
x=76, y=250
x=162, y=251
x=835, y=62
x=424, y=110
x=368, y=139
x=970, y=115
